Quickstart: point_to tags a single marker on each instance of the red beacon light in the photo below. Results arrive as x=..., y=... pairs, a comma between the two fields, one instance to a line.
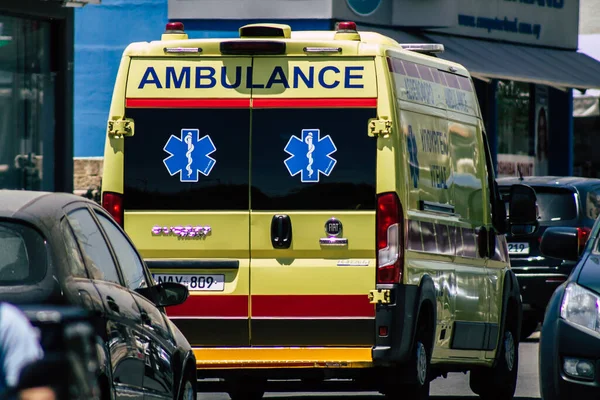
x=346, y=26
x=174, y=27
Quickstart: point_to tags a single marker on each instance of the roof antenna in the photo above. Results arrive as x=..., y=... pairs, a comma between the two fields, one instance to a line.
x=520, y=172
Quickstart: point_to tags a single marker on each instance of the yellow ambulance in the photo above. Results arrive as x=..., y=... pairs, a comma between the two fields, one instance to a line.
x=328, y=198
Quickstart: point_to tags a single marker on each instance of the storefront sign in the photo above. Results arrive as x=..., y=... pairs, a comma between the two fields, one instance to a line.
x=399, y=13
x=540, y=22
x=511, y=164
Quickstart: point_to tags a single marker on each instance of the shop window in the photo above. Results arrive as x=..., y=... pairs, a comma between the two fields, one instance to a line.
x=516, y=145
x=26, y=102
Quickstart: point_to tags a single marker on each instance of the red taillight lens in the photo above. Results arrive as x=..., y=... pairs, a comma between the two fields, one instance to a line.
x=582, y=236
x=113, y=203
x=390, y=238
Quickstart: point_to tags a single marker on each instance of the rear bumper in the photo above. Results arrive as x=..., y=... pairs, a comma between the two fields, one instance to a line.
x=223, y=358
x=537, y=288
x=400, y=318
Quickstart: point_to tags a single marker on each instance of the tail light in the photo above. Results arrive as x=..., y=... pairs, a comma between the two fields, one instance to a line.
x=113, y=203
x=582, y=236
x=390, y=238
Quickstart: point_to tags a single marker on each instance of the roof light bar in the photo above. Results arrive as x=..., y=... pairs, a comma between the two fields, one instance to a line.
x=424, y=47
x=182, y=50
x=323, y=49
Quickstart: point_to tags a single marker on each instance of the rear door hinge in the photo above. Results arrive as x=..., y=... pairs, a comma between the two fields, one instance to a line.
x=380, y=127
x=380, y=296
x=121, y=127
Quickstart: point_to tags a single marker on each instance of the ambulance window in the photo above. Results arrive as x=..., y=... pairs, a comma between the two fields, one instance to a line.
x=313, y=159
x=195, y=177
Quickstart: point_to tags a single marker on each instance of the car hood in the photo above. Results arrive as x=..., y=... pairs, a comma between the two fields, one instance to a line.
x=589, y=276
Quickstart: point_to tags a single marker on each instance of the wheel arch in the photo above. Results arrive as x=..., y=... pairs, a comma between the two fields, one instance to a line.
x=511, y=305
x=426, y=312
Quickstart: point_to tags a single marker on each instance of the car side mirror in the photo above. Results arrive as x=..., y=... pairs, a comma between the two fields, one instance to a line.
x=170, y=294
x=523, y=214
x=561, y=243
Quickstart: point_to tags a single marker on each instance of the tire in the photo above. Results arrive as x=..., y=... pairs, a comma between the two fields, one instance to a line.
x=500, y=381
x=417, y=370
x=187, y=390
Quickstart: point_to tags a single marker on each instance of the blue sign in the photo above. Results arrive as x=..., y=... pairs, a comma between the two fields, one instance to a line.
x=413, y=151
x=189, y=155
x=310, y=155
x=363, y=7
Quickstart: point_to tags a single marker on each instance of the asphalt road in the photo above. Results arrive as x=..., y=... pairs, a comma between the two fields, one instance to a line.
x=455, y=387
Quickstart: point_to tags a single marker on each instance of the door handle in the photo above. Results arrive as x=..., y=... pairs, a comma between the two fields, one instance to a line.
x=112, y=304
x=281, y=231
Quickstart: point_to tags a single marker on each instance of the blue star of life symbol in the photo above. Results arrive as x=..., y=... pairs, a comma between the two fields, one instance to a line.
x=189, y=155
x=310, y=155
x=413, y=162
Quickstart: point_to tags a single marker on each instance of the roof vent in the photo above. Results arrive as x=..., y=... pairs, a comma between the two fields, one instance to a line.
x=270, y=31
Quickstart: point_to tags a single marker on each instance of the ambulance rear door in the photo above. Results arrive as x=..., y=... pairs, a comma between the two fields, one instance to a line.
x=313, y=195
x=186, y=187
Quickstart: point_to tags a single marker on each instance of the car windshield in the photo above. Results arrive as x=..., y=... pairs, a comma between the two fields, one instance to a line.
x=24, y=257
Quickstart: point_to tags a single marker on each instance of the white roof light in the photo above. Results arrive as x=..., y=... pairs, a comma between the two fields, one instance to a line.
x=424, y=47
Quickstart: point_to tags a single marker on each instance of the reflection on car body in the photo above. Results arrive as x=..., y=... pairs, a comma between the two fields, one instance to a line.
x=570, y=339
x=63, y=249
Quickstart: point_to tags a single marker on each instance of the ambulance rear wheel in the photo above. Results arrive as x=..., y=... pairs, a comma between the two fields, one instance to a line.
x=417, y=370
x=499, y=382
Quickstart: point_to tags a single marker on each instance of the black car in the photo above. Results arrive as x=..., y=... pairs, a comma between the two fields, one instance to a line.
x=62, y=249
x=569, y=351
x=562, y=201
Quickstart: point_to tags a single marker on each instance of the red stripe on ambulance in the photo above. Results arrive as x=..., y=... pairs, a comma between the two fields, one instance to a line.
x=216, y=306
x=303, y=306
x=187, y=103
x=315, y=103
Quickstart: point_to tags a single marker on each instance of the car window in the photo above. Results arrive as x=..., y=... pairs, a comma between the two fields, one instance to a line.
x=556, y=205
x=592, y=204
x=129, y=261
x=76, y=266
x=24, y=257
x=97, y=256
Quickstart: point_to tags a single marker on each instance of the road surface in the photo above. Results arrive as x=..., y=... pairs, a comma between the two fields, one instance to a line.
x=455, y=387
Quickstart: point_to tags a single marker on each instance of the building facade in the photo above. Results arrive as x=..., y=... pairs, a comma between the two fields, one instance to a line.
x=586, y=104
x=36, y=95
x=522, y=54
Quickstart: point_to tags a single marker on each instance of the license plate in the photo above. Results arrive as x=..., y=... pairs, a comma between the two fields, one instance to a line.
x=518, y=248
x=194, y=282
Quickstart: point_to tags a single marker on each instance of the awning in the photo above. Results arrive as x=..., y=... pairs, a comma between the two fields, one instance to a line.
x=496, y=60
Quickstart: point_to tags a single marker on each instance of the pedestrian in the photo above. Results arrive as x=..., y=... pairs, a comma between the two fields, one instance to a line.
x=19, y=347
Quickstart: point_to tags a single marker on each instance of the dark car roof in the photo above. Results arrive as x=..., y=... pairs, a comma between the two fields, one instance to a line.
x=575, y=181
x=15, y=203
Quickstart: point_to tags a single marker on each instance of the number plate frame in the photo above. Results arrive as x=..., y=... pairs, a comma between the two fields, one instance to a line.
x=518, y=248
x=217, y=285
